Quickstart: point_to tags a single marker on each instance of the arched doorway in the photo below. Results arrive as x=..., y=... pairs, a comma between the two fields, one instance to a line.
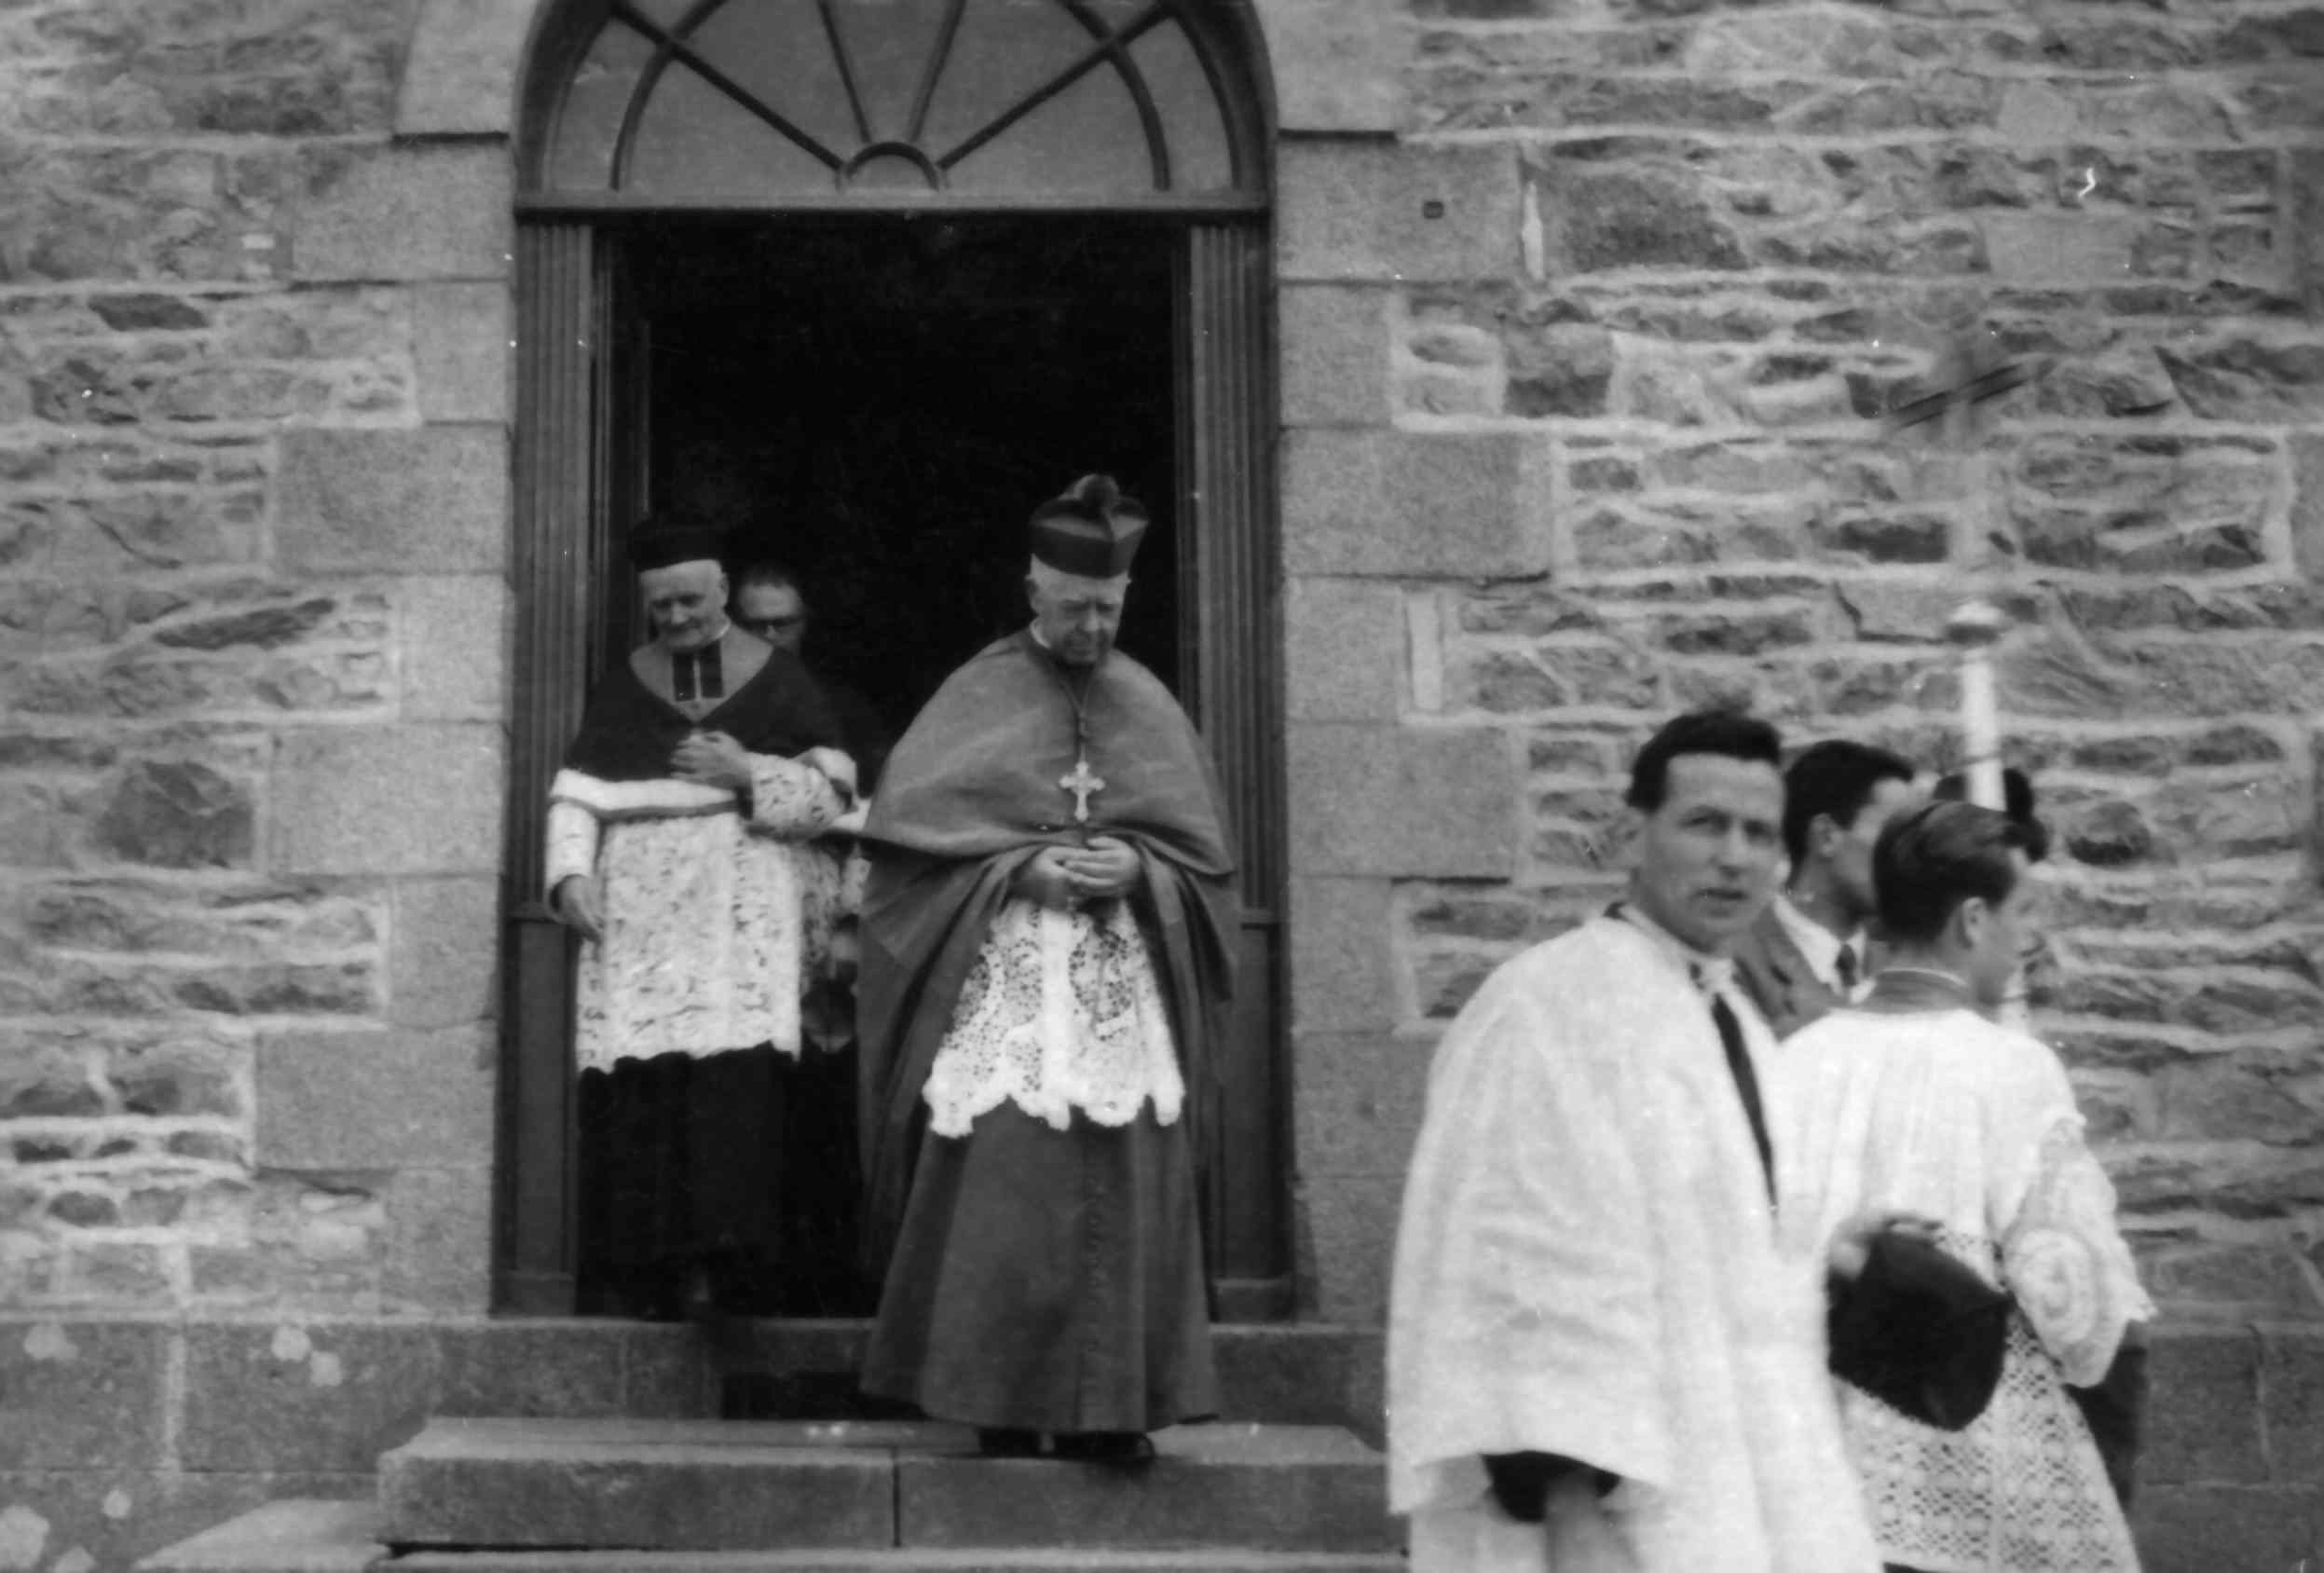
x=872, y=277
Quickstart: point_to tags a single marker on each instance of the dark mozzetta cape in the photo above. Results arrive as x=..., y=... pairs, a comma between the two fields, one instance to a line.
x=969, y=795
x=628, y=732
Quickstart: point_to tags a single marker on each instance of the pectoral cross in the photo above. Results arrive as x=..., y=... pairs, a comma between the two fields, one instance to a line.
x=1084, y=786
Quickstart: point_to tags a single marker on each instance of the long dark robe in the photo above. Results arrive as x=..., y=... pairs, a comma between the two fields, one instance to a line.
x=969, y=796
x=628, y=732
x=683, y=1162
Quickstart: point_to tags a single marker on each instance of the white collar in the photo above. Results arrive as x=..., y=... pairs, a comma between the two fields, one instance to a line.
x=1818, y=945
x=1712, y=974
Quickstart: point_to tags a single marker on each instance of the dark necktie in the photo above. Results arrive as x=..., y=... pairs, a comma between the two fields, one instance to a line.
x=1746, y=1084
x=1845, y=965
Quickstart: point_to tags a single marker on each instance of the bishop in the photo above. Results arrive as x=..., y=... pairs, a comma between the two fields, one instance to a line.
x=1042, y=995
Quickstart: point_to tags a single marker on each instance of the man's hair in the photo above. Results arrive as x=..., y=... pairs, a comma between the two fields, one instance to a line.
x=1834, y=777
x=2016, y=802
x=764, y=572
x=1934, y=857
x=1731, y=733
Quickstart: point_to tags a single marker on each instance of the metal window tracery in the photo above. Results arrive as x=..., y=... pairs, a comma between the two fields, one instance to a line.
x=755, y=103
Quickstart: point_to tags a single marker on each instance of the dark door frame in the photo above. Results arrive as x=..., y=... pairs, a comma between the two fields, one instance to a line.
x=574, y=477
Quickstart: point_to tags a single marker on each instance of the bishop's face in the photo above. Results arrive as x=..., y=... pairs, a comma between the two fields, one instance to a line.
x=685, y=604
x=1709, y=855
x=1076, y=617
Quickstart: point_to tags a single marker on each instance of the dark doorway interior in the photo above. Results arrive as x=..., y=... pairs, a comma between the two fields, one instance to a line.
x=880, y=403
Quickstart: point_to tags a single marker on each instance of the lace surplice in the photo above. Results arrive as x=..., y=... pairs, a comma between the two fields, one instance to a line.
x=1951, y=1117
x=1060, y=1011
x=713, y=921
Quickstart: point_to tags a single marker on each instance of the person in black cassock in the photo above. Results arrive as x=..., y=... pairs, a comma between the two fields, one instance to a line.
x=678, y=848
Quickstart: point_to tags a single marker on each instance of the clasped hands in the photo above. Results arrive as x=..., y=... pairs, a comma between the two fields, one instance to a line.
x=712, y=759
x=1065, y=877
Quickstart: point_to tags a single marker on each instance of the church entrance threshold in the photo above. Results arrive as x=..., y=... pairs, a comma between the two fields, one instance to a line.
x=871, y=407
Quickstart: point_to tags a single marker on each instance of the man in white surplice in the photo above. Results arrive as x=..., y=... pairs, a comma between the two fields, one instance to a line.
x=1916, y=1104
x=1598, y=1358
x=680, y=835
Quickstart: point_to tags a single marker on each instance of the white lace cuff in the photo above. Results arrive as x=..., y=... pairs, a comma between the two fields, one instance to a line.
x=2066, y=1262
x=791, y=800
x=572, y=845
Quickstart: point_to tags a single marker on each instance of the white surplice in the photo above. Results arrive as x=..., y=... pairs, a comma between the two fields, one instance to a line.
x=714, y=919
x=1944, y=1115
x=1588, y=1265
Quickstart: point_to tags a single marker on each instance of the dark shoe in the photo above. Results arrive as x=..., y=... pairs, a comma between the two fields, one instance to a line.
x=1007, y=1442
x=1116, y=1448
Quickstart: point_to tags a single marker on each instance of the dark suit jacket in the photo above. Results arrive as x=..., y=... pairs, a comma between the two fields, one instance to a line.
x=1778, y=978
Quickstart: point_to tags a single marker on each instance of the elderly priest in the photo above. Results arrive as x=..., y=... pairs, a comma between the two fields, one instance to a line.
x=1047, y=959
x=679, y=834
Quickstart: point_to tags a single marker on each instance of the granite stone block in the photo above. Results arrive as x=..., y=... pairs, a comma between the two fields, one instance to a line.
x=1298, y=1373
x=548, y=1368
x=297, y=1395
x=1336, y=354
x=1249, y=1488
x=81, y=1395
x=105, y=1520
x=1349, y=209
x=420, y=799
x=1342, y=960
x=1350, y=1221
x=1380, y=801
x=375, y=1100
x=1337, y=67
x=1473, y=504
x=455, y=647
x=460, y=75
x=439, y=1237
x=717, y=1487
x=462, y=351
x=1361, y=1099
x=2219, y=1528
x=407, y=211
x=443, y=951
x=434, y=499
x=2203, y=1410
x=1343, y=649
x=291, y=1534
x=2294, y=1405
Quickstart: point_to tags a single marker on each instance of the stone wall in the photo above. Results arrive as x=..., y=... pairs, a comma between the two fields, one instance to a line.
x=1587, y=313
x=252, y=629
x=1582, y=380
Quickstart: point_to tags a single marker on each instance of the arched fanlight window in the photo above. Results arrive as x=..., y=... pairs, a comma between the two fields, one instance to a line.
x=891, y=102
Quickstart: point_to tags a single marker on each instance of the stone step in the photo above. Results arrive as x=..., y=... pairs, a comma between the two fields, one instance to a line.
x=984, y=1560
x=712, y=1486
x=294, y=1536
x=337, y=1537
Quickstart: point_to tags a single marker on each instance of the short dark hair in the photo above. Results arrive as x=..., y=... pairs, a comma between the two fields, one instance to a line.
x=1731, y=733
x=1834, y=777
x=767, y=572
x=2016, y=802
x=1932, y=858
